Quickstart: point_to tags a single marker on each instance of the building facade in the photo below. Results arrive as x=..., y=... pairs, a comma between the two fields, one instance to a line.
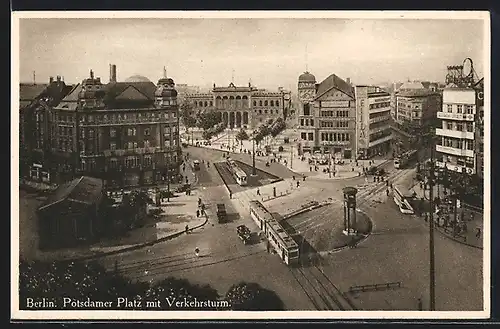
x=373, y=121
x=306, y=91
x=417, y=108
x=124, y=132
x=242, y=107
x=456, y=147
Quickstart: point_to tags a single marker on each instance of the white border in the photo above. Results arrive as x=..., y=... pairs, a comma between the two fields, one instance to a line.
x=17, y=314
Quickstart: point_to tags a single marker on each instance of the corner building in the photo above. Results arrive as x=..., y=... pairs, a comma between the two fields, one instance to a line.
x=124, y=132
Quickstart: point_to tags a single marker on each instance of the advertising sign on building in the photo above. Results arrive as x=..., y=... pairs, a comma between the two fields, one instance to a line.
x=335, y=104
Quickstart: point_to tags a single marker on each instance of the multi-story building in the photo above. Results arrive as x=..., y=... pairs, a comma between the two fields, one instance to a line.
x=479, y=136
x=36, y=103
x=373, y=121
x=306, y=127
x=417, y=108
x=125, y=132
x=457, y=133
x=334, y=117
x=242, y=107
x=184, y=89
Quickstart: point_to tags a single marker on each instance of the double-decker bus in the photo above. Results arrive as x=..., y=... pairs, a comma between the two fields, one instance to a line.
x=404, y=159
x=401, y=198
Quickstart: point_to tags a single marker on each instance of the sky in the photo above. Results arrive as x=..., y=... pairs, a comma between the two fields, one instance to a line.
x=268, y=52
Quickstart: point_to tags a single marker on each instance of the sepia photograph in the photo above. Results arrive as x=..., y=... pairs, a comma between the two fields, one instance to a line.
x=250, y=165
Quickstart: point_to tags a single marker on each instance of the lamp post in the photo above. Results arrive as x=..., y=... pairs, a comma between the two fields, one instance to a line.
x=254, y=172
x=432, y=274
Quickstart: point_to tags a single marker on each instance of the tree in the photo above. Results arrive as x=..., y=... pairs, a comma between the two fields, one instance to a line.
x=188, y=119
x=242, y=135
x=252, y=297
x=79, y=281
x=207, y=119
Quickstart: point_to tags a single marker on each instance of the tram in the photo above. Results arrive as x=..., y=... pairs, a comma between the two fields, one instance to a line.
x=405, y=158
x=239, y=175
x=282, y=242
x=401, y=198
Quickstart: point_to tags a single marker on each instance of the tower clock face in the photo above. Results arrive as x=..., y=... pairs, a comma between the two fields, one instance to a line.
x=307, y=94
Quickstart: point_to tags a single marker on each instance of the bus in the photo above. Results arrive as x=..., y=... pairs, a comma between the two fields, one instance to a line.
x=401, y=198
x=405, y=158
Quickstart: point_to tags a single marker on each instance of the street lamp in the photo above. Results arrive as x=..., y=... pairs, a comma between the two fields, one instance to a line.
x=254, y=171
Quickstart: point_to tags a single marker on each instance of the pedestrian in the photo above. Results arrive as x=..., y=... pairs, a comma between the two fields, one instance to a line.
x=258, y=191
x=230, y=195
x=197, y=213
x=268, y=247
x=298, y=183
x=304, y=178
x=374, y=179
x=387, y=192
x=187, y=229
x=478, y=232
x=293, y=177
x=197, y=252
x=420, y=305
x=387, y=183
x=199, y=202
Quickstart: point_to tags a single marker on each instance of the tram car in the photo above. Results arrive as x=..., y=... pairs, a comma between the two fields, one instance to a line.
x=239, y=175
x=284, y=245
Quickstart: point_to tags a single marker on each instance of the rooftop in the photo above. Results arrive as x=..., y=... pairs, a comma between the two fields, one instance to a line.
x=334, y=81
x=87, y=190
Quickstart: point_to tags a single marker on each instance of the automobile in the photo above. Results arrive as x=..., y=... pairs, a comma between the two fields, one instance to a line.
x=221, y=213
x=184, y=144
x=244, y=233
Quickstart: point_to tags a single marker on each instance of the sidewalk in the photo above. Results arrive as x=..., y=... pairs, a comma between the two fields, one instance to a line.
x=470, y=221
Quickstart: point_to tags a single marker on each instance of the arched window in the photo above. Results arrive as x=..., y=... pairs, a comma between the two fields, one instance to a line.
x=211, y=103
x=200, y=104
x=254, y=103
x=277, y=103
x=260, y=103
x=272, y=103
x=206, y=103
x=265, y=103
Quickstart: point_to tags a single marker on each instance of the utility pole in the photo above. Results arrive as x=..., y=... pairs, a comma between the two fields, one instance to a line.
x=254, y=172
x=432, y=282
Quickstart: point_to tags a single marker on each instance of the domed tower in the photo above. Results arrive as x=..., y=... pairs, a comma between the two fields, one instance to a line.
x=306, y=87
x=92, y=92
x=165, y=93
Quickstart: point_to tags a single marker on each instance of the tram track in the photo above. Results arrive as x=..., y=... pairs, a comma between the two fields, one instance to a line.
x=320, y=290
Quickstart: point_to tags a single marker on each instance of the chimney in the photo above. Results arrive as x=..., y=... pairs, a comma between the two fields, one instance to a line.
x=348, y=80
x=112, y=73
x=51, y=79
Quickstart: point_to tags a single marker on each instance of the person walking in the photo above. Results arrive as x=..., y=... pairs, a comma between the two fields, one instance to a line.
x=298, y=183
x=478, y=232
x=258, y=192
x=197, y=213
x=387, y=192
x=187, y=229
x=197, y=252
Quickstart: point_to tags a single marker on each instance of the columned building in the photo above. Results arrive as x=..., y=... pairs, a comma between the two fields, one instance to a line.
x=373, y=122
x=241, y=106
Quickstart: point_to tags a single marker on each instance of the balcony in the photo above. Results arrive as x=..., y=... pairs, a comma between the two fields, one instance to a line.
x=455, y=116
x=455, y=133
x=454, y=151
x=380, y=109
x=379, y=119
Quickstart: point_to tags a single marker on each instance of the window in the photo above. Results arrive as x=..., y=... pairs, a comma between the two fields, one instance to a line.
x=113, y=163
x=459, y=144
x=459, y=108
x=460, y=126
x=277, y=103
x=312, y=122
x=112, y=146
x=303, y=136
x=470, y=145
x=260, y=111
x=449, y=108
x=265, y=103
x=148, y=160
x=307, y=110
x=146, y=143
x=272, y=103
x=254, y=103
x=301, y=122
x=449, y=125
x=470, y=127
x=211, y=103
x=147, y=132
x=265, y=111
x=112, y=132
x=470, y=109
x=260, y=103
x=310, y=136
x=342, y=124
